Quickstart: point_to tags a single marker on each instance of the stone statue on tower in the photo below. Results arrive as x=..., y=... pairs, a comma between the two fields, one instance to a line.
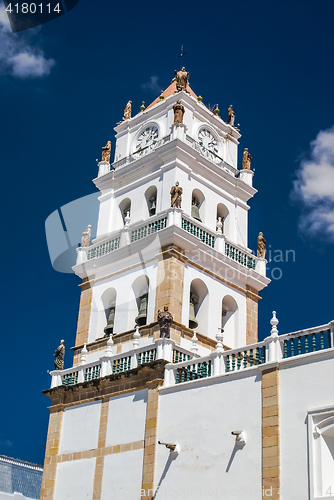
x=176, y=196
x=60, y=356
x=261, y=246
x=230, y=116
x=181, y=78
x=106, y=152
x=165, y=320
x=127, y=111
x=86, y=234
x=178, y=112
x=246, y=160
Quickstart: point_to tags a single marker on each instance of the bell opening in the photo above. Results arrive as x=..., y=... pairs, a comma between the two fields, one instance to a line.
x=140, y=320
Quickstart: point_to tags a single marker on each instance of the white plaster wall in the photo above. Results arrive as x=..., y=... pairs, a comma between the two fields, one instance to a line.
x=217, y=291
x=75, y=480
x=80, y=427
x=122, y=475
x=126, y=418
x=200, y=419
x=305, y=385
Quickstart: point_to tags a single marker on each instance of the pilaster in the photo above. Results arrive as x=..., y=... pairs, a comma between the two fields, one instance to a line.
x=270, y=434
x=170, y=282
x=251, y=315
x=84, y=313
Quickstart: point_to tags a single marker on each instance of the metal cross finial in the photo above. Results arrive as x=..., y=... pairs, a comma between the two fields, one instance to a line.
x=182, y=53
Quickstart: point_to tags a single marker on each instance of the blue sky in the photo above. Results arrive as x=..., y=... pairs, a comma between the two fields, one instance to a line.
x=63, y=88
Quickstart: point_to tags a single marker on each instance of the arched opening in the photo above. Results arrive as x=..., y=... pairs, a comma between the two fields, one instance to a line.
x=107, y=313
x=138, y=303
x=151, y=200
x=229, y=320
x=221, y=218
x=197, y=205
x=125, y=207
x=198, y=306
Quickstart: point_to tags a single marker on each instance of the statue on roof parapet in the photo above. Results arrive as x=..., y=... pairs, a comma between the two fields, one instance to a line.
x=181, y=78
x=246, y=160
x=106, y=152
x=178, y=112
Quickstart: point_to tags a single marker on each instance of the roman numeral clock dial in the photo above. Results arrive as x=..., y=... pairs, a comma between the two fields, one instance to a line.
x=147, y=140
x=208, y=144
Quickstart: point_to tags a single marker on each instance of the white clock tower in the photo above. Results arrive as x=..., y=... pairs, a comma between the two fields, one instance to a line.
x=172, y=231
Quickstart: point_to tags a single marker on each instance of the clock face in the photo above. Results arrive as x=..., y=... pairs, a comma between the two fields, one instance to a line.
x=147, y=140
x=208, y=144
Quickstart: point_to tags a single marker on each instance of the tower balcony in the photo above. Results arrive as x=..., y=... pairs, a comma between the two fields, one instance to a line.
x=172, y=226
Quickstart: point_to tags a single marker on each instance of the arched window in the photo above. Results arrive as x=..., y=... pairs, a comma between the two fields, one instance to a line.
x=222, y=215
x=107, y=313
x=138, y=302
x=199, y=306
x=229, y=320
x=197, y=205
x=125, y=207
x=151, y=200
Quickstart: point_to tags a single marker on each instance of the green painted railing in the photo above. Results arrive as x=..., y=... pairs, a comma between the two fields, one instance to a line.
x=309, y=342
x=103, y=249
x=69, y=378
x=92, y=373
x=179, y=356
x=193, y=372
x=152, y=227
x=200, y=233
x=121, y=365
x=245, y=359
x=146, y=357
x=239, y=256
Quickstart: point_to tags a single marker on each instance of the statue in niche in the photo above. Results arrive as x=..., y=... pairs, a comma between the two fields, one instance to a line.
x=261, y=246
x=230, y=116
x=60, y=356
x=106, y=152
x=176, y=196
x=181, y=78
x=86, y=234
x=178, y=112
x=246, y=160
x=127, y=111
x=165, y=320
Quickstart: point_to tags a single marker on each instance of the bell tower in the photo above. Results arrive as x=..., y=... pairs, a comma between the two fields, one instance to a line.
x=189, y=253
x=172, y=234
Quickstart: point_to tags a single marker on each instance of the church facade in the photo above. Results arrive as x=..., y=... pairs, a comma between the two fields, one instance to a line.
x=170, y=394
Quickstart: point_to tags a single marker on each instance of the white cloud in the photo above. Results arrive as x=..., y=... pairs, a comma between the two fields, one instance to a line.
x=152, y=84
x=314, y=186
x=18, y=57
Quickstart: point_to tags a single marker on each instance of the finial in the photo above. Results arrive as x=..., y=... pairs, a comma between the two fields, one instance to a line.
x=110, y=343
x=194, y=346
x=217, y=110
x=219, y=225
x=136, y=337
x=127, y=219
x=274, y=322
x=161, y=96
x=83, y=357
x=219, y=338
x=199, y=98
x=142, y=107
